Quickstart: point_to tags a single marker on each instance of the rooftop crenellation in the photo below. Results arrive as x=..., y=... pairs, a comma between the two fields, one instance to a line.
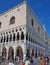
x=16, y=6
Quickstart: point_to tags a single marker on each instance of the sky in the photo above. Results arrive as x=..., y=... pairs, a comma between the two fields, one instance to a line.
x=40, y=7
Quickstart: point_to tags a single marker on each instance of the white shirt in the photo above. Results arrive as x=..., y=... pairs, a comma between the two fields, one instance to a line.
x=11, y=63
x=27, y=62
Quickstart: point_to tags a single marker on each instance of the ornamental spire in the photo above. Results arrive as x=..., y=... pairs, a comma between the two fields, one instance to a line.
x=26, y=1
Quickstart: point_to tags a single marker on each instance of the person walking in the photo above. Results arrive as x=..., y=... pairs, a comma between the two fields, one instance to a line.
x=31, y=62
x=27, y=62
x=45, y=62
x=41, y=61
x=23, y=63
x=12, y=62
x=49, y=60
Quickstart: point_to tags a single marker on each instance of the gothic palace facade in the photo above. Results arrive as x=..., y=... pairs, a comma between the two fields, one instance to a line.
x=21, y=33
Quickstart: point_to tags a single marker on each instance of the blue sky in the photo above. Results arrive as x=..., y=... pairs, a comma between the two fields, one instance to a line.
x=40, y=7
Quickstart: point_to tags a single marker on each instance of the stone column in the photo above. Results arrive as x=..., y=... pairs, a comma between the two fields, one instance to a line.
x=0, y=51
x=24, y=53
x=14, y=53
x=7, y=54
x=24, y=37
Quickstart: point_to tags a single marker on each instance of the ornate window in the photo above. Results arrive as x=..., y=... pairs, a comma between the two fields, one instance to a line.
x=17, y=36
x=14, y=37
x=28, y=53
x=0, y=24
x=38, y=29
x=22, y=36
x=32, y=23
x=12, y=20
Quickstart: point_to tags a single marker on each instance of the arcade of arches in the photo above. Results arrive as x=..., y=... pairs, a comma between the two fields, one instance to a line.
x=19, y=52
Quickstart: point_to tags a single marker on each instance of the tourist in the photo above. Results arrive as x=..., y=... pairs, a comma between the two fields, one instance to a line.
x=24, y=58
x=27, y=62
x=47, y=61
x=31, y=62
x=15, y=60
x=12, y=62
x=18, y=59
x=41, y=61
x=23, y=63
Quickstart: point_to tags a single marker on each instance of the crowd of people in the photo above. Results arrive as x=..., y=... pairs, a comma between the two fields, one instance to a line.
x=44, y=61
x=30, y=61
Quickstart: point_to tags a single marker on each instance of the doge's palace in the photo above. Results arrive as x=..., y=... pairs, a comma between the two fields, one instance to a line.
x=21, y=33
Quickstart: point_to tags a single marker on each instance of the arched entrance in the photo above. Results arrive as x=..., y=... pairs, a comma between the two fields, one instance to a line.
x=4, y=52
x=28, y=53
x=32, y=52
x=11, y=52
x=39, y=53
x=19, y=52
x=36, y=53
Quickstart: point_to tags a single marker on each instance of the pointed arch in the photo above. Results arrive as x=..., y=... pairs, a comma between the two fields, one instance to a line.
x=12, y=20
x=18, y=36
x=10, y=37
x=1, y=39
x=22, y=36
x=19, y=52
x=7, y=38
x=26, y=36
x=36, y=53
x=29, y=38
x=4, y=38
x=4, y=52
x=14, y=37
x=11, y=52
x=33, y=52
x=28, y=52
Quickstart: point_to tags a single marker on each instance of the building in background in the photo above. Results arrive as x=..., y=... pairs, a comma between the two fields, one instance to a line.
x=21, y=33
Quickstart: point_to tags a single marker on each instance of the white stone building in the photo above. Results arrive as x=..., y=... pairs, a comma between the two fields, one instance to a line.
x=21, y=33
